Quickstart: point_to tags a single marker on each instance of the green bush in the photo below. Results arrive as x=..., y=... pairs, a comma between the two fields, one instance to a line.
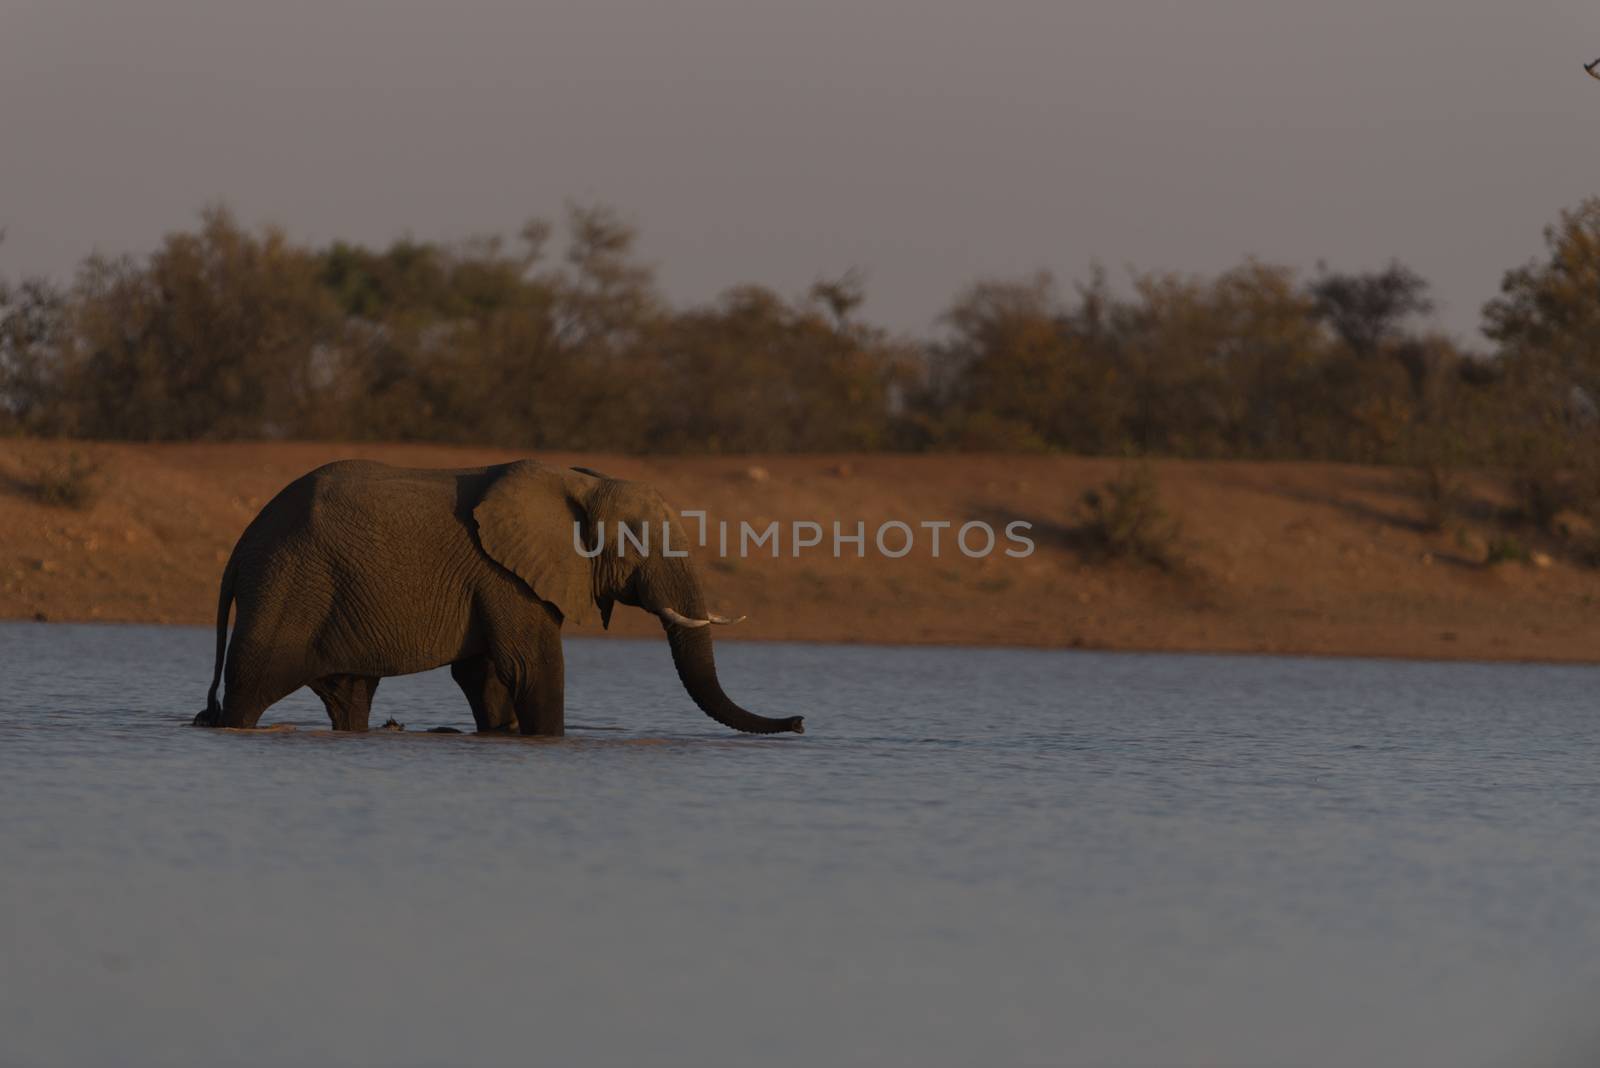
x=1541, y=494
x=1506, y=548
x=1125, y=519
x=70, y=481
x=1441, y=494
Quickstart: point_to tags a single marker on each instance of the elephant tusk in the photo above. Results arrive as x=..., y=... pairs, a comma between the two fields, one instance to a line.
x=673, y=616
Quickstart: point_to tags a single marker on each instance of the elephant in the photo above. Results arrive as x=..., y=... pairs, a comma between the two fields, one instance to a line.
x=358, y=570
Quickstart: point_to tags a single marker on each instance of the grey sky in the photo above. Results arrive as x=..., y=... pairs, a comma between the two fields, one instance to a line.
x=928, y=142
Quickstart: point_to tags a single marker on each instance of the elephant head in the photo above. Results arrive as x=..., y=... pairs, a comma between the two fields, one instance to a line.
x=525, y=523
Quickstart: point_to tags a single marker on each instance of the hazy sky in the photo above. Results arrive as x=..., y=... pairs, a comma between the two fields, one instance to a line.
x=928, y=142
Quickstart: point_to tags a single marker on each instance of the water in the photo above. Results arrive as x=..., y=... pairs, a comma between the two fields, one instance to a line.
x=974, y=857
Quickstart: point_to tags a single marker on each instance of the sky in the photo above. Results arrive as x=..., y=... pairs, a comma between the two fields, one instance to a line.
x=926, y=143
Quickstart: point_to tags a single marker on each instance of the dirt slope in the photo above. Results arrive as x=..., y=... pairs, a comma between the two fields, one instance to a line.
x=1290, y=558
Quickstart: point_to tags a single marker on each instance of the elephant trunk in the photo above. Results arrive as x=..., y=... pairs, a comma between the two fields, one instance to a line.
x=691, y=655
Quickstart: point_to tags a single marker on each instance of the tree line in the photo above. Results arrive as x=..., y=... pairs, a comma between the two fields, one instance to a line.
x=226, y=332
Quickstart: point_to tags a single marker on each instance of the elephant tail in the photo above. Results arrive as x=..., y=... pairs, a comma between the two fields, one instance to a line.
x=213, y=713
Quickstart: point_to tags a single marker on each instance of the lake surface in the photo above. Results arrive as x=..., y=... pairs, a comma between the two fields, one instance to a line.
x=974, y=857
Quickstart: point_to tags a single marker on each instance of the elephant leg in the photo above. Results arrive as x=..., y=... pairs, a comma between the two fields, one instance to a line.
x=537, y=686
x=254, y=683
x=348, y=699
x=541, y=703
x=492, y=707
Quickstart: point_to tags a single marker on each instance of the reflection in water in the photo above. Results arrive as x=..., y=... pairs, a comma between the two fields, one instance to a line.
x=975, y=856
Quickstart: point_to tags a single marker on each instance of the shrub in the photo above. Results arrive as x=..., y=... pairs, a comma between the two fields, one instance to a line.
x=1541, y=494
x=70, y=481
x=1586, y=550
x=1125, y=519
x=1506, y=549
x=1440, y=492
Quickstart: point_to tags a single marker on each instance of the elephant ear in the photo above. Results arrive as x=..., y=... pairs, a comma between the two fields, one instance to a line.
x=525, y=522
